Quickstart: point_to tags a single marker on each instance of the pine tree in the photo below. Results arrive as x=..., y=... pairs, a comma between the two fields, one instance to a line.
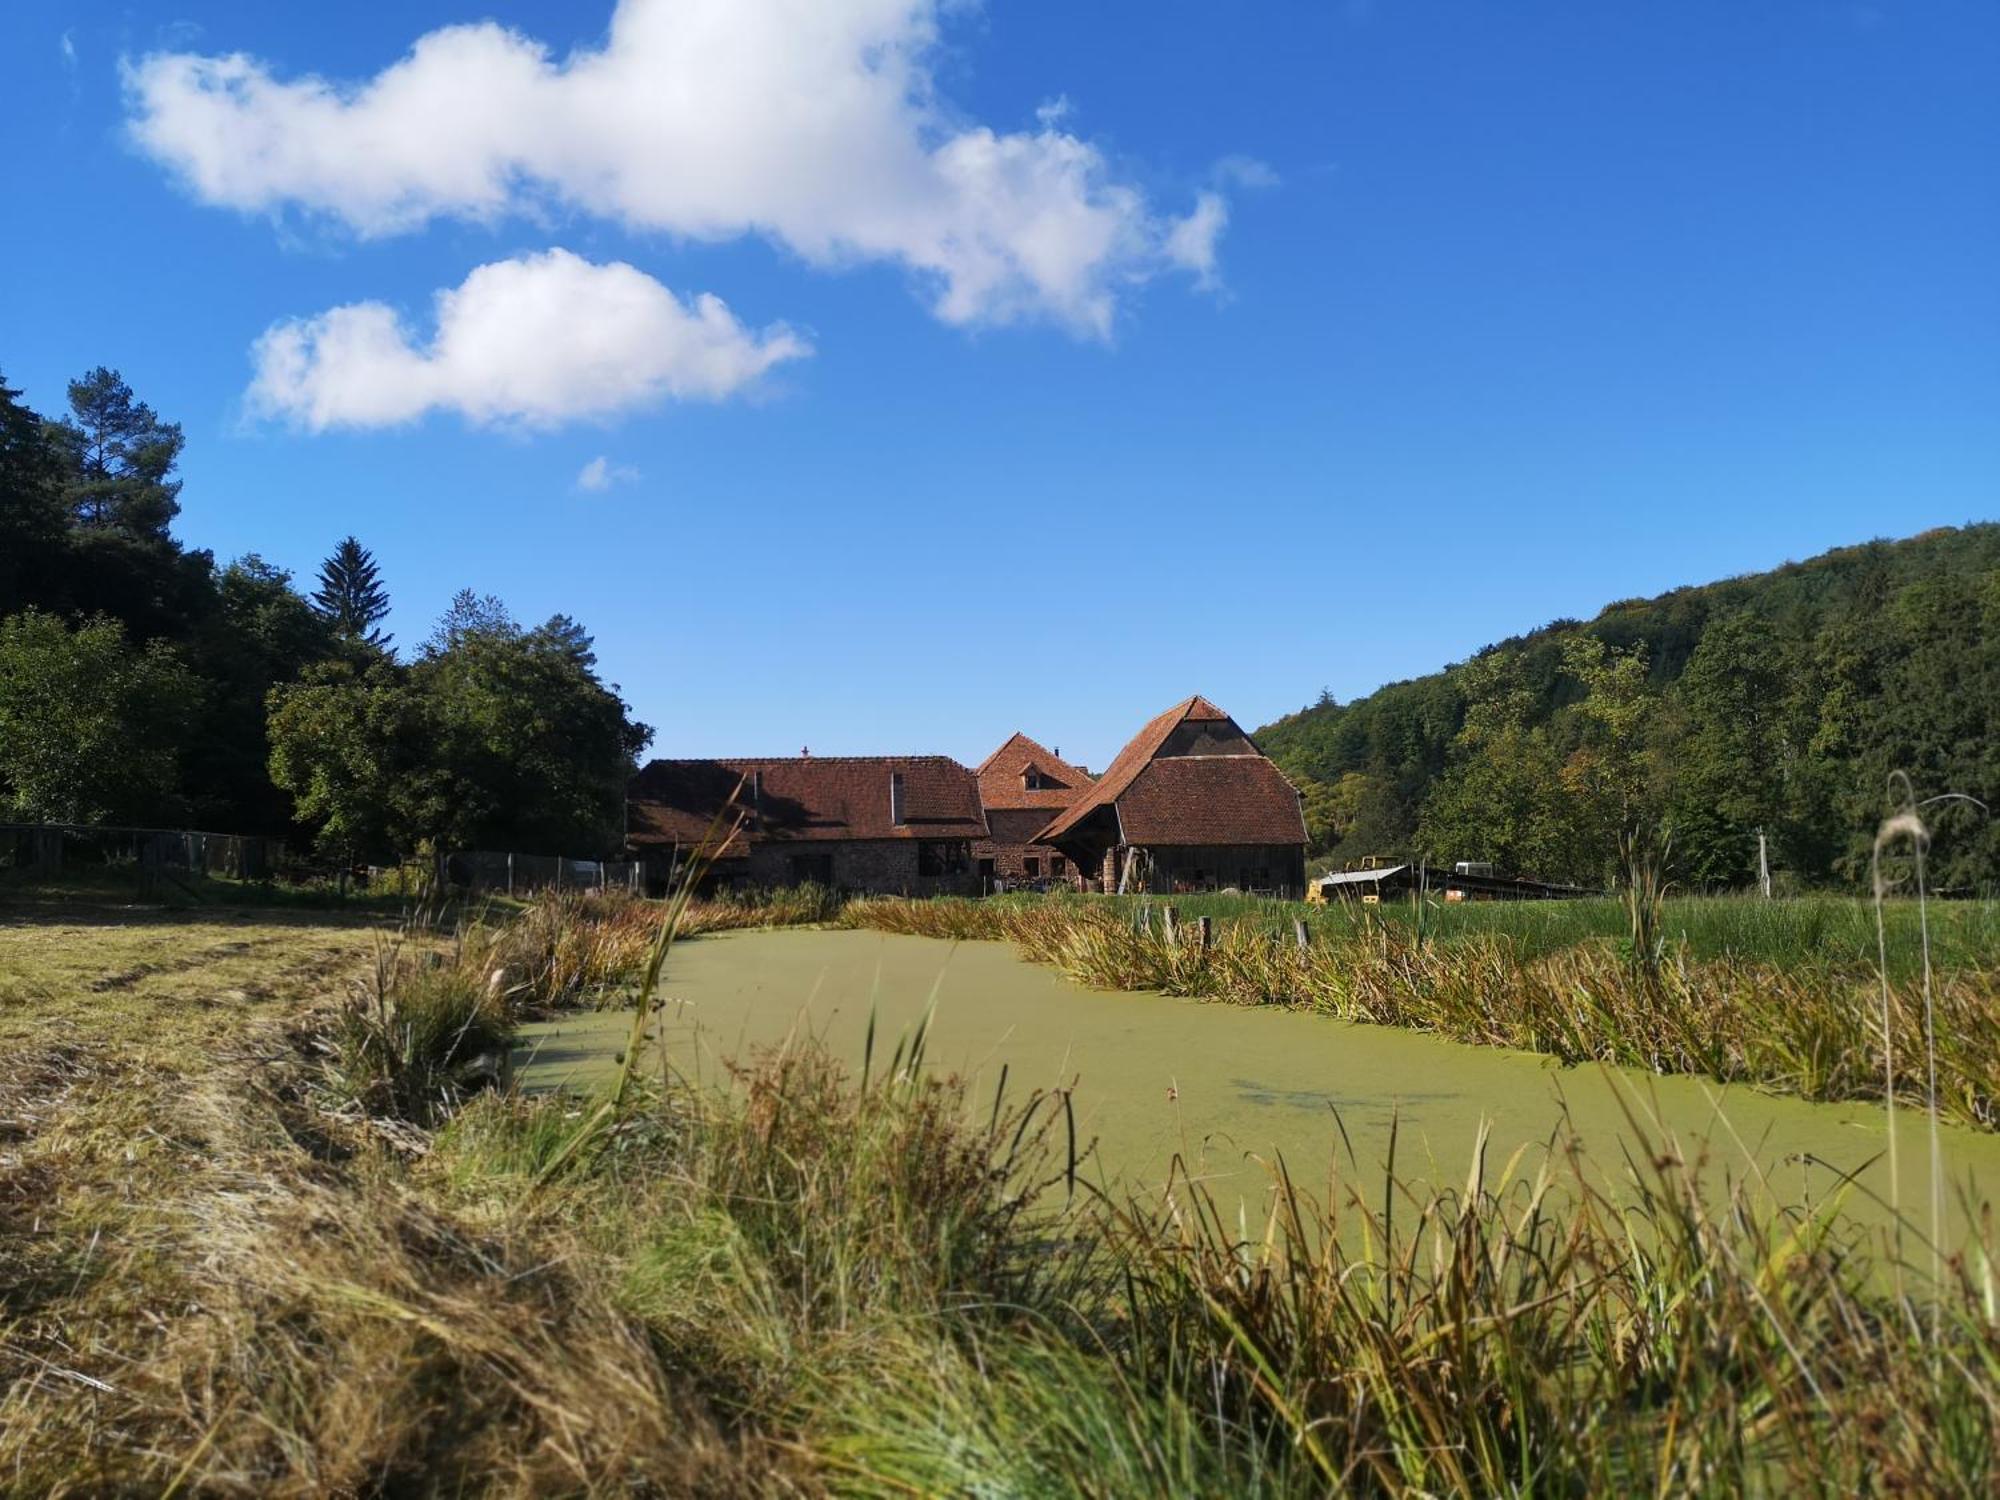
x=351, y=597
x=124, y=459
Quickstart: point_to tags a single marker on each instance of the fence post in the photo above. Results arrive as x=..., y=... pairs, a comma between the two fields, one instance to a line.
x=1202, y=934
x=510, y=872
x=1300, y=934
x=1170, y=925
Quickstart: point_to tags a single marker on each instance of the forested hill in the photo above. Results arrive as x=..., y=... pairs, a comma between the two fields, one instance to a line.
x=1778, y=701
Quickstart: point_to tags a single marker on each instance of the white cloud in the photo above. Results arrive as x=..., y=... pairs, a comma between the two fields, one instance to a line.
x=66, y=43
x=1191, y=242
x=533, y=342
x=602, y=474
x=1246, y=171
x=814, y=123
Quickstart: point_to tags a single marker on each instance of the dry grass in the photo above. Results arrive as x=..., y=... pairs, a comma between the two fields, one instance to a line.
x=210, y=1279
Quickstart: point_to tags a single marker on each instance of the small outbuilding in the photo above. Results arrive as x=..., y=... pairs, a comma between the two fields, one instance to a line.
x=1191, y=804
x=1465, y=881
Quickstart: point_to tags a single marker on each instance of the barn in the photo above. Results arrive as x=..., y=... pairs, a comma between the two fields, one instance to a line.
x=887, y=824
x=1191, y=804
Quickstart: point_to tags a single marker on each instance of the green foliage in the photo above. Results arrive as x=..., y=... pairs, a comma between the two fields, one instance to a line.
x=350, y=745
x=533, y=748
x=495, y=737
x=1778, y=703
x=91, y=726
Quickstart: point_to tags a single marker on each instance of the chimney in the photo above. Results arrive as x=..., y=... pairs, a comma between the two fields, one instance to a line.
x=896, y=818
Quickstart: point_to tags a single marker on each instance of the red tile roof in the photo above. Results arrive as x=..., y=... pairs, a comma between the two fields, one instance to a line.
x=809, y=797
x=1000, y=777
x=1190, y=799
x=1133, y=759
x=1211, y=799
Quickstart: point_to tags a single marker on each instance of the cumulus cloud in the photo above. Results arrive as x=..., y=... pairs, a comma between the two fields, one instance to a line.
x=814, y=123
x=530, y=342
x=602, y=474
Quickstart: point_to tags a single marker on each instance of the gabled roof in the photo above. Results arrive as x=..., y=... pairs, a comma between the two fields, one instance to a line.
x=1190, y=799
x=1211, y=799
x=1133, y=759
x=1001, y=772
x=803, y=798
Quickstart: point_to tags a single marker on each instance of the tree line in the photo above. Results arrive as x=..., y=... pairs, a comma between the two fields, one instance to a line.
x=1781, y=704
x=141, y=682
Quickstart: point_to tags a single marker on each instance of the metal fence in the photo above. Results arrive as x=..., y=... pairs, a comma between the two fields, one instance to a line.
x=516, y=874
x=50, y=847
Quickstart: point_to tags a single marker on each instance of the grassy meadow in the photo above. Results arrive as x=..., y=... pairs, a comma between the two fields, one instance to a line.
x=270, y=1223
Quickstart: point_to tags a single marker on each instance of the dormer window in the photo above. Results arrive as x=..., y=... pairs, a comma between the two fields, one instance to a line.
x=1032, y=780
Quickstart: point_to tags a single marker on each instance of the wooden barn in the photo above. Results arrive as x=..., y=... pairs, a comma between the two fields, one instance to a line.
x=1021, y=786
x=1191, y=804
x=889, y=824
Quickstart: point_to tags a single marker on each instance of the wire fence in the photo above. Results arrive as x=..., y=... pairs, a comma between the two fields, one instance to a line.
x=49, y=848
x=518, y=874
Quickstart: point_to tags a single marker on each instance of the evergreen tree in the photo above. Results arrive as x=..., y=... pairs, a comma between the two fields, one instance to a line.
x=32, y=524
x=351, y=597
x=124, y=459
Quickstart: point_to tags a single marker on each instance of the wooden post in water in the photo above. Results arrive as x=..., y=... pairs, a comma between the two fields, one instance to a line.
x=1170, y=925
x=1299, y=933
x=1202, y=934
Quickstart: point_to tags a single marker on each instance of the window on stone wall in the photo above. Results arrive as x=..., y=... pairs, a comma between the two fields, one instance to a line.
x=1033, y=865
x=944, y=857
x=1058, y=865
x=814, y=867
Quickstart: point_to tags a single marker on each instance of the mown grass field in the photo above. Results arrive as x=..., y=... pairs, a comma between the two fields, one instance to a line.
x=265, y=1229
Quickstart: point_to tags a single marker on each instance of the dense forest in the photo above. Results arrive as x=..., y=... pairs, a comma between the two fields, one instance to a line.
x=1780, y=703
x=141, y=683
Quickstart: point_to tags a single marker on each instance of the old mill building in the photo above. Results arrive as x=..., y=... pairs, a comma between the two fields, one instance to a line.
x=1190, y=804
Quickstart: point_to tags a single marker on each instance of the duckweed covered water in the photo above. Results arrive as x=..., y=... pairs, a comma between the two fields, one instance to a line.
x=1228, y=1087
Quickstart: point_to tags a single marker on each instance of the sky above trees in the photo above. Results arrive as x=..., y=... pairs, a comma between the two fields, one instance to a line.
x=888, y=375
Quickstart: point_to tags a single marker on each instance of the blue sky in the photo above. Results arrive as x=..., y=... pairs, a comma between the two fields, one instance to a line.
x=1075, y=358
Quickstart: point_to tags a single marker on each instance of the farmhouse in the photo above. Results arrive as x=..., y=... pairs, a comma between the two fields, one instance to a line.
x=901, y=824
x=1190, y=805
x=1021, y=786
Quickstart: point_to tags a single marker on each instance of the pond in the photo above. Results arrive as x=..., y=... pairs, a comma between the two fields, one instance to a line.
x=1226, y=1087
